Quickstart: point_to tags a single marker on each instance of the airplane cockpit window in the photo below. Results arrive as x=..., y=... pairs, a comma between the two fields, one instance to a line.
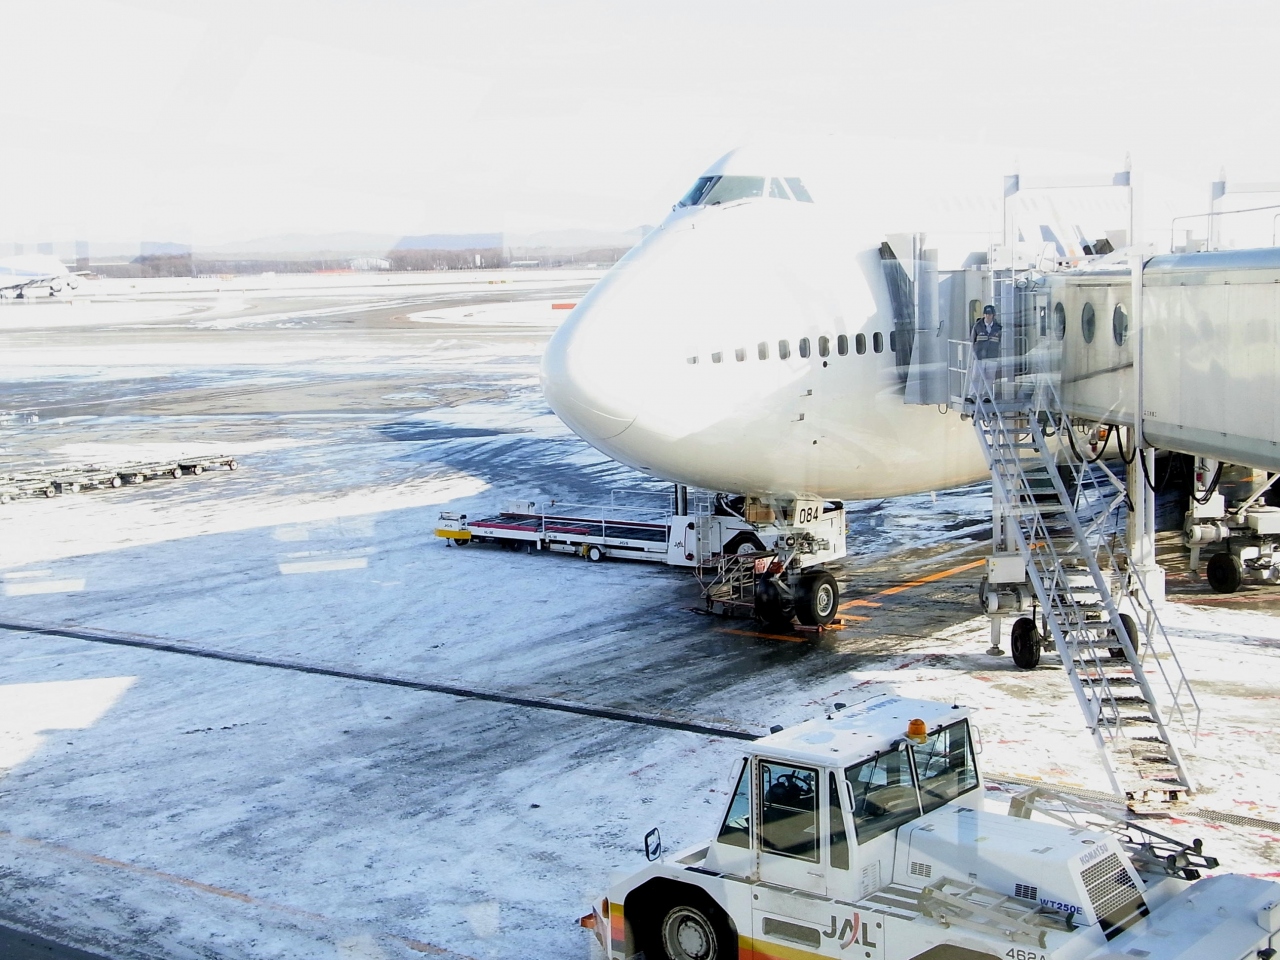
x=726, y=189
x=798, y=191
x=697, y=192
x=709, y=191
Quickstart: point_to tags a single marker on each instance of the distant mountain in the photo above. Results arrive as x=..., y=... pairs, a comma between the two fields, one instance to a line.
x=450, y=241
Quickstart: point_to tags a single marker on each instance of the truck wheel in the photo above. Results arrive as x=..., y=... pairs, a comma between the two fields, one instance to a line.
x=117, y=481
x=690, y=934
x=1135, y=638
x=1226, y=572
x=1024, y=643
x=197, y=470
x=771, y=606
x=743, y=542
x=176, y=473
x=594, y=554
x=819, y=599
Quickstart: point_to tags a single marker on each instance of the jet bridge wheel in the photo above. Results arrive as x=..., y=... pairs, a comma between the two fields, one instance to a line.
x=1135, y=638
x=1024, y=643
x=1225, y=572
x=818, y=598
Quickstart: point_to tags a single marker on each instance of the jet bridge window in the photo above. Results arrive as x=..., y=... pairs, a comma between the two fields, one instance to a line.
x=789, y=811
x=824, y=347
x=1088, y=323
x=736, y=829
x=797, y=190
x=726, y=189
x=1119, y=325
x=884, y=793
x=860, y=343
x=842, y=345
x=804, y=346
x=944, y=764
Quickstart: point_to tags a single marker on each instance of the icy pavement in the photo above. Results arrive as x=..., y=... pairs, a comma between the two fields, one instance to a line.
x=154, y=804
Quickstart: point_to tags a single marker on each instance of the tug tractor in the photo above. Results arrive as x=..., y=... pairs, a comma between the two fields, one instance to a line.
x=863, y=834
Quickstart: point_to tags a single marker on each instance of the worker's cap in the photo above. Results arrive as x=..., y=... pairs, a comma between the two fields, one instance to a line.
x=989, y=309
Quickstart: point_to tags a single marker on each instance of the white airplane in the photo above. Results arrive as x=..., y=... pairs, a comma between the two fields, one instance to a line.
x=25, y=273
x=744, y=346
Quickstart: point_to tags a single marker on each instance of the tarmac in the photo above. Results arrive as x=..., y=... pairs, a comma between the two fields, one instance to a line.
x=269, y=714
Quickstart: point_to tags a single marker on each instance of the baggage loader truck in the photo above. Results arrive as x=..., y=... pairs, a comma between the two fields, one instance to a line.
x=863, y=835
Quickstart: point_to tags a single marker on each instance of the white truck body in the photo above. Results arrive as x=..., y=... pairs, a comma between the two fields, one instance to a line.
x=864, y=835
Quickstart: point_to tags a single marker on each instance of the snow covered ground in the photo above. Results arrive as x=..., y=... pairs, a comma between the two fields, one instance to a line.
x=160, y=805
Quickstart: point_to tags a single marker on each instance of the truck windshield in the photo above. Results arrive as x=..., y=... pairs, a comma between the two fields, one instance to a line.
x=884, y=793
x=944, y=764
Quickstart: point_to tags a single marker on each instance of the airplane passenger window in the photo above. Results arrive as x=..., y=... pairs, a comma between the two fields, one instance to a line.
x=734, y=188
x=804, y=346
x=777, y=190
x=797, y=189
x=1087, y=322
x=842, y=345
x=762, y=350
x=1119, y=324
x=893, y=340
x=784, y=350
x=860, y=343
x=740, y=354
x=716, y=358
x=697, y=192
x=877, y=342
x=693, y=359
x=824, y=347
x=1059, y=320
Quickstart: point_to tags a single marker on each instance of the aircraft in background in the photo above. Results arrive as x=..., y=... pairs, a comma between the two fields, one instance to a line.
x=23, y=274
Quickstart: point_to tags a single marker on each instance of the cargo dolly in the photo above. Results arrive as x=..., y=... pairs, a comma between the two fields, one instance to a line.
x=73, y=479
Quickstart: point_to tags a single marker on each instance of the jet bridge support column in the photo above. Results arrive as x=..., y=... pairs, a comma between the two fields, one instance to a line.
x=1140, y=531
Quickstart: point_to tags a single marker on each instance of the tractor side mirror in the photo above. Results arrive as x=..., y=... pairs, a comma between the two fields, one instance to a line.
x=652, y=845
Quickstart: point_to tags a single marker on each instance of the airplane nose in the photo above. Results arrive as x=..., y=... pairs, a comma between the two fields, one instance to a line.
x=585, y=376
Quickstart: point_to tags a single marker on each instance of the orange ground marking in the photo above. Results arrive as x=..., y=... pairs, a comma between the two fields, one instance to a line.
x=941, y=575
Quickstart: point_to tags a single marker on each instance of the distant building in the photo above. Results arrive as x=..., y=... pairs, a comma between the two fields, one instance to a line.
x=370, y=263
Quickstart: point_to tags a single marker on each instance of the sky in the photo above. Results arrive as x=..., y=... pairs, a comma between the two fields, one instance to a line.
x=209, y=122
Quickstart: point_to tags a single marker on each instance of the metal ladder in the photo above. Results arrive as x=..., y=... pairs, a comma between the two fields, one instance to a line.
x=1073, y=545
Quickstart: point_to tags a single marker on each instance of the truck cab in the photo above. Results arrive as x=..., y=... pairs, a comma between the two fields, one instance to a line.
x=863, y=834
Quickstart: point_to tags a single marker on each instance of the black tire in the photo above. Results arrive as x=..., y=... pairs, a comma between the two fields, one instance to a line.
x=819, y=599
x=1135, y=638
x=1024, y=643
x=686, y=932
x=743, y=542
x=772, y=608
x=460, y=541
x=1226, y=572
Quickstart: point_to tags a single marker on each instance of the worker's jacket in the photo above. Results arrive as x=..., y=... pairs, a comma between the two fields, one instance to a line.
x=986, y=343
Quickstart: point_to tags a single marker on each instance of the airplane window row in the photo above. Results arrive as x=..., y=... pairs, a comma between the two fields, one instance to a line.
x=805, y=348
x=709, y=191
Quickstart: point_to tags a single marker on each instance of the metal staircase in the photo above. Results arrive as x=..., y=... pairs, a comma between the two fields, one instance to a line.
x=1071, y=535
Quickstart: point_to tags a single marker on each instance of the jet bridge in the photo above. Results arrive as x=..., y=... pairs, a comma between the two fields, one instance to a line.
x=1196, y=336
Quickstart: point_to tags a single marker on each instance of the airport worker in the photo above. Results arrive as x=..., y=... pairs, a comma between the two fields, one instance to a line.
x=986, y=348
